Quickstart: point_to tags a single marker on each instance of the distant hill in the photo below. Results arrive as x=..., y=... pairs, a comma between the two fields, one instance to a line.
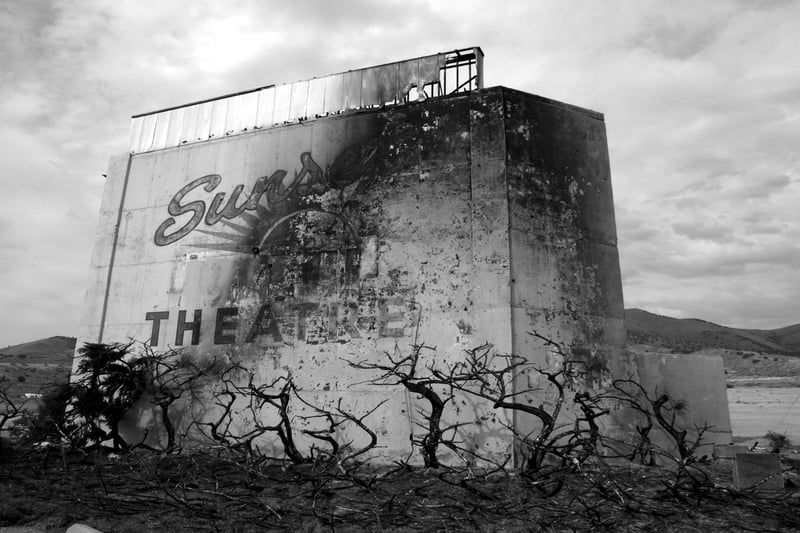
x=690, y=334
x=34, y=366
x=49, y=350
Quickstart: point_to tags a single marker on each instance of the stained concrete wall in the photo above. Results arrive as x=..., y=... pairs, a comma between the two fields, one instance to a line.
x=565, y=277
x=456, y=221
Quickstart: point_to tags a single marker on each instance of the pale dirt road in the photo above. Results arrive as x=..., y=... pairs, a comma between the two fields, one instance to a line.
x=757, y=410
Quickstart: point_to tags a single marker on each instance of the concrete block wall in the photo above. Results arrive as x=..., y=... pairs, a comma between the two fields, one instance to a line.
x=452, y=222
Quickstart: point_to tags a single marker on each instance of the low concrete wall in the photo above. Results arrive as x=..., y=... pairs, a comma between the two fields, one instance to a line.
x=698, y=381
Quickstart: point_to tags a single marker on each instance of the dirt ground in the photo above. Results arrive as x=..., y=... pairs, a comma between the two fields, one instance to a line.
x=48, y=490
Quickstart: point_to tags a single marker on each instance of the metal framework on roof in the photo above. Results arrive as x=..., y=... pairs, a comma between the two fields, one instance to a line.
x=274, y=105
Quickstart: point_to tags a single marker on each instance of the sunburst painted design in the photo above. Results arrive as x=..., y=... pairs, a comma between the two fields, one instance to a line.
x=262, y=233
x=244, y=238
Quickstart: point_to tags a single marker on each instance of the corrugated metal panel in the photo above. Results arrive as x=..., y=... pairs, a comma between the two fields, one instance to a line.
x=407, y=76
x=334, y=93
x=174, y=132
x=369, y=87
x=387, y=83
x=297, y=105
x=189, y=124
x=203, y=127
x=429, y=69
x=316, y=98
x=266, y=107
x=248, y=111
x=161, y=130
x=352, y=89
x=219, y=112
x=283, y=101
x=136, y=133
x=148, y=130
x=233, y=117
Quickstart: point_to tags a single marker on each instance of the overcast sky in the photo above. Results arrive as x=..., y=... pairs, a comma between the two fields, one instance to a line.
x=701, y=100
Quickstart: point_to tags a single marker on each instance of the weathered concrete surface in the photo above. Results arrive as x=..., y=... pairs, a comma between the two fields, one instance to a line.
x=697, y=380
x=728, y=451
x=761, y=471
x=453, y=222
x=565, y=276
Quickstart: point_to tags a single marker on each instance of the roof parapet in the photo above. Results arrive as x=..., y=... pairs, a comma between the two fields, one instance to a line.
x=275, y=105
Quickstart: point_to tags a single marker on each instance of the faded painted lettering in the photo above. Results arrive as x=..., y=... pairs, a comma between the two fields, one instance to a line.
x=225, y=325
x=275, y=189
x=282, y=322
x=156, y=317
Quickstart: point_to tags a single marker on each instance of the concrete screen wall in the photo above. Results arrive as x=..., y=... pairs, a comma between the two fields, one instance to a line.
x=452, y=222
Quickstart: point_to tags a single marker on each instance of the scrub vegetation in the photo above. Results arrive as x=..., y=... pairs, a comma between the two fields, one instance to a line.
x=70, y=462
